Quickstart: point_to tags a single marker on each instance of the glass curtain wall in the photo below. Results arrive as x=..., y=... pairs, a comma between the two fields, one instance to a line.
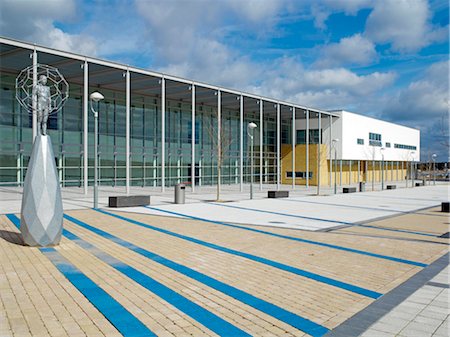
x=145, y=142
x=111, y=141
x=66, y=131
x=251, y=114
x=205, y=149
x=269, y=143
x=15, y=134
x=178, y=142
x=230, y=138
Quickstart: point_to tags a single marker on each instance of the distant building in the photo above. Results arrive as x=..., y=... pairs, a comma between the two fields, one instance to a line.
x=359, y=145
x=158, y=130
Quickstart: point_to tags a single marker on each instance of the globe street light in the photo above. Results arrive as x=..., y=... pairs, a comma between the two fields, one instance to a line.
x=250, y=127
x=96, y=97
x=382, y=168
x=433, y=156
x=335, y=164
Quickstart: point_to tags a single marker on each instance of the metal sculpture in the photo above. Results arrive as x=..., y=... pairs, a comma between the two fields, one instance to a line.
x=42, y=210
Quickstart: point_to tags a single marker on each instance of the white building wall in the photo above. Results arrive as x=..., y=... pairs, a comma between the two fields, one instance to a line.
x=350, y=126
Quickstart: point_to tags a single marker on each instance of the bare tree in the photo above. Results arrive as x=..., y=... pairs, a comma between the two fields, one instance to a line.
x=221, y=142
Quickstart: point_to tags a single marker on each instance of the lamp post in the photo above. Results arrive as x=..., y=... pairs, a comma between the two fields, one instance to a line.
x=96, y=97
x=382, y=168
x=335, y=164
x=250, y=127
x=433, y=156
x=411, y=171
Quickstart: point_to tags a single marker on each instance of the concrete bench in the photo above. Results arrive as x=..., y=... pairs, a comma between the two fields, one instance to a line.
x=277, y=194
x=349, y=190
x=391, y=187
x=419, y=184
x=129, y=201
x=445, y=207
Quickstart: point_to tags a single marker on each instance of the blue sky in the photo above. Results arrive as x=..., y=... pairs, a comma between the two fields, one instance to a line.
x=387, y=58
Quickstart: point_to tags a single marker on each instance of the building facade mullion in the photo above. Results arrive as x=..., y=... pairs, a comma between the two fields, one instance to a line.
x=34, y=102
x=307, y=149
x=330, y=120
x=85, y=126
x=163, y=134
x=278, y=145
x=127, y=131
x=193, y=137
x=241, y=143
x=293, y=148
x=261, y=143
x=318, y=152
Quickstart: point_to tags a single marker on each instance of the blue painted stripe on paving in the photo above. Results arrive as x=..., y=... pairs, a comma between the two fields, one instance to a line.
x=397, y=230
x=318, y=243
x=125, y=322
x=364, y=225
x=316, y=219
x=268, y=308
x=284, y=214
x=193, y=310
x=278, y=265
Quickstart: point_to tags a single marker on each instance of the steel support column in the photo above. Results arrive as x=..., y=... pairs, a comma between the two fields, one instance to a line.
x=330, y=120
x=241, y=143
x=293, y=148
x=163, y=134
x=85, y=126
x=34, y=102
x=193, y=137
x=219, y=141
x=127, y=132
x=307, y=148
x=278, y=145
x=318, y=152
x=261, y=139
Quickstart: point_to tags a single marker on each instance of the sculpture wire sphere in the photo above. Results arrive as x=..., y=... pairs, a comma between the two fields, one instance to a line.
x=44, y=99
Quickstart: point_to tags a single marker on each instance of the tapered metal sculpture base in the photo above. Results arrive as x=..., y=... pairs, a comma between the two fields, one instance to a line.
x=42, y=210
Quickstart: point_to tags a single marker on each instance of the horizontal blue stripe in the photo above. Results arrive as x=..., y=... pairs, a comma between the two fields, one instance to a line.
x=397, y=230
x=284, y=214
x=122, y=319
x=357, y=251
x=198, y=313
x=363, y=207
x=318, y=243
x=284, y=267
x=270, y=309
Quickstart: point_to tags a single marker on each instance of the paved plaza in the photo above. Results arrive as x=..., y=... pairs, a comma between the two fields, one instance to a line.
x=370, y=264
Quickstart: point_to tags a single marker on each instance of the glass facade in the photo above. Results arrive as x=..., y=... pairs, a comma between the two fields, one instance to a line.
x=67, y=128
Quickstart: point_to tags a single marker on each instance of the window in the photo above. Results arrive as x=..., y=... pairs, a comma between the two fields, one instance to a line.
x=298, y=174
x=374, y=139
x=313, y=136
x=388, y=144
x=360, y=141
x=405, y=147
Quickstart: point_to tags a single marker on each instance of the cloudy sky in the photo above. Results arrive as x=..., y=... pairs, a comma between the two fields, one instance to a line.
x=384, y=58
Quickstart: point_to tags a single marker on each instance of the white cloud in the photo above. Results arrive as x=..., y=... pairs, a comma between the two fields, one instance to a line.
x=34, y=21
x=322, y=9
x=424, y=104
x=351, y=50
x=427, y=96
x=404, y=24
x=327, y=88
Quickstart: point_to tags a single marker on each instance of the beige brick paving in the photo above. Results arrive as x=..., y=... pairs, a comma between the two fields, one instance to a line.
x=37, y=300
x=365, y=271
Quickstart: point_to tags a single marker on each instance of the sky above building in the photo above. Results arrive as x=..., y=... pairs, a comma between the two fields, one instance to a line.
x=388, y=58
